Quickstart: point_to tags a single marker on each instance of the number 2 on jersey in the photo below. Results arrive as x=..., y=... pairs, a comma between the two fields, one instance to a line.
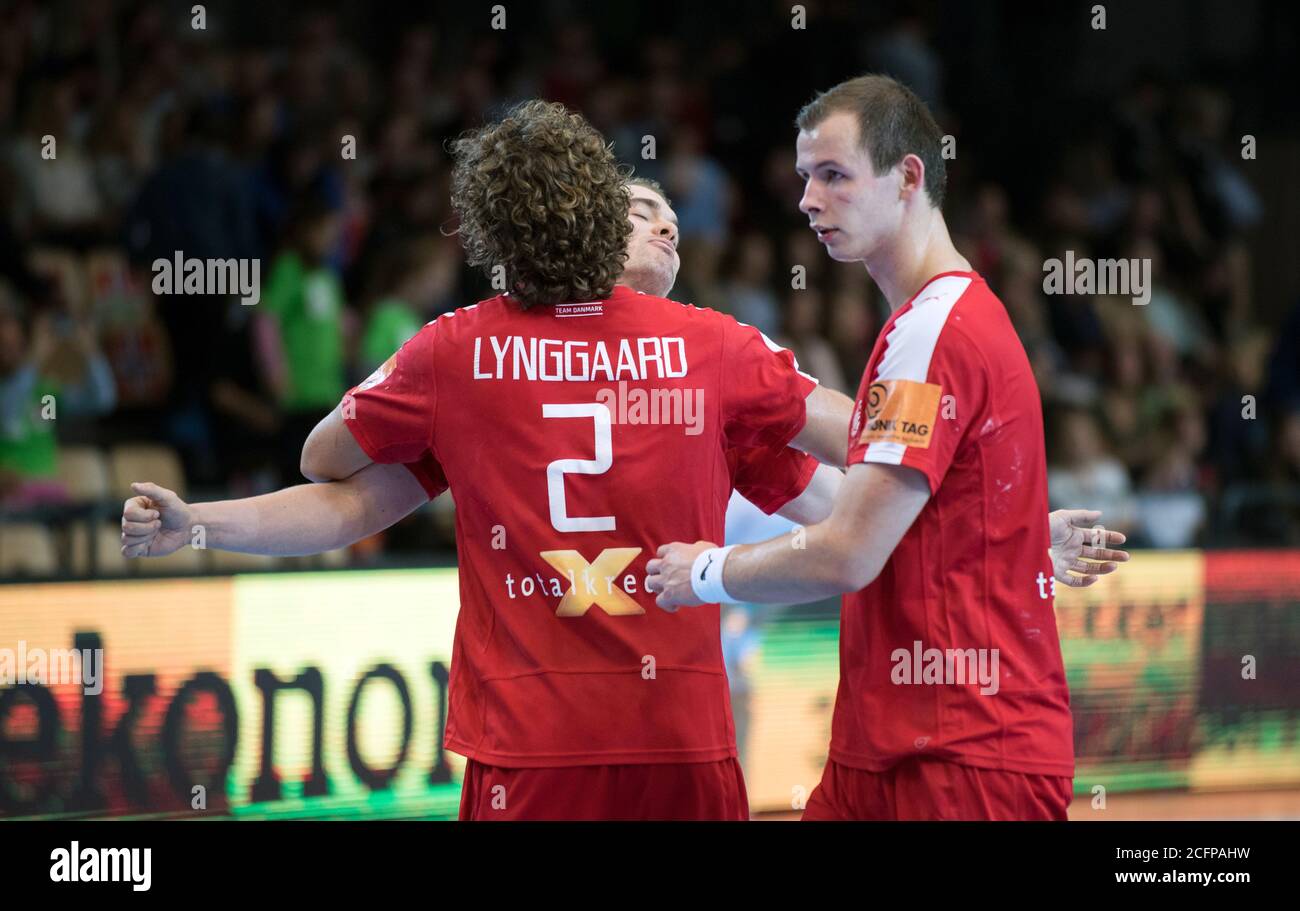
x=556, y=471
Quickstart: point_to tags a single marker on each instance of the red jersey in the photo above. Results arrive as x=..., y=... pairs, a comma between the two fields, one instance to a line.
x=770, y=477
x=952, y=651
x=576, y=439
x=767, y=476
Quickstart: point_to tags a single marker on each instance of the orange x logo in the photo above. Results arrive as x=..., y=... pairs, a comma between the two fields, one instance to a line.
x=593, y=583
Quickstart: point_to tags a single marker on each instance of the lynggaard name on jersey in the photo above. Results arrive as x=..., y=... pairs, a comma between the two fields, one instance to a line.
x=554, y=360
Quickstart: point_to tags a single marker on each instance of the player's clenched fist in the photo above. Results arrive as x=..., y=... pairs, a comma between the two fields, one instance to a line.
x=155, y=522
x=669, y=574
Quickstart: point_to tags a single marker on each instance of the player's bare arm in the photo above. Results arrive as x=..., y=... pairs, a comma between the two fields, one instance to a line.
x=1082, y=552
x=875, y=507
x=296, y=521
x=817, y=500
x=331, y=452
x=825, y=434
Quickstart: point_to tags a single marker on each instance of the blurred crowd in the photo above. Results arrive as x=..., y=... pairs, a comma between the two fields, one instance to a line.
x=1177, y=418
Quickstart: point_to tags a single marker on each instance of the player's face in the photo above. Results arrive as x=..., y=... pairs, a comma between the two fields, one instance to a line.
x=852, y=210
x=652, y=260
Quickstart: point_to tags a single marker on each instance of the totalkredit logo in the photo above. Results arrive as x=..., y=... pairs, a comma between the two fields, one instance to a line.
x=603, y=583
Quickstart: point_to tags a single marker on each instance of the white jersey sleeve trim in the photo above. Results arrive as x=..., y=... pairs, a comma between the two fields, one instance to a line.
x=910, y=347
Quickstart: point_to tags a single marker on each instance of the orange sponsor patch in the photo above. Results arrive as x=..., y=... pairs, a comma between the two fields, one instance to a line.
x=901, y=411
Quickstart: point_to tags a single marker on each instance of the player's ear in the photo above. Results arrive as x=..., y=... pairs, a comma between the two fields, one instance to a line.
x=912, y=172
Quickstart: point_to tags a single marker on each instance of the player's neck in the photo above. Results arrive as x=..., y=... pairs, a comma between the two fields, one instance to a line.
x=922, y=250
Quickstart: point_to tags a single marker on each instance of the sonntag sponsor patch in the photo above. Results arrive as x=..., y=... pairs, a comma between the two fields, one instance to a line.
x=901, y=411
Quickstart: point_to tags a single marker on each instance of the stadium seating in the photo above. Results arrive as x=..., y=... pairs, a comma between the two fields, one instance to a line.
x=84, y=471
x=145, y=462
x=27, y=549
x=108, y=550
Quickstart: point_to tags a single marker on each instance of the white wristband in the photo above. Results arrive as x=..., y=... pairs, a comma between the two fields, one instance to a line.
x=706, y=576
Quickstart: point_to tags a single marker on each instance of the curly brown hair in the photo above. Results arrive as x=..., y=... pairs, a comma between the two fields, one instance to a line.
x=540, y=193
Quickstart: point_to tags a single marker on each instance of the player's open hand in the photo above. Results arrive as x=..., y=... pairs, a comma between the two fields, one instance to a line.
x=669, y=574
x=1083, y=551
x=155, y=522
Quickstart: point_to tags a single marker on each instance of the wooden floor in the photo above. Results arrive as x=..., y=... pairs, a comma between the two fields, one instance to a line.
x=1224, y=805
x=1157, y=805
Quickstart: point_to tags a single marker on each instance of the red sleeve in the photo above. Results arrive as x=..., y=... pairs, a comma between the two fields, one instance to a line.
x=916, y=412
x=770, y=477
x=763, y=390
x=391, y=412
x=429, y=473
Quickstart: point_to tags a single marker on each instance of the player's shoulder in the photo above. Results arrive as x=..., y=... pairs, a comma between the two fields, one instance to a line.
x=952, y=309
x=685, y=310
x=941, y=322
x=505, y=312
x=678, y=317
x=470, y=316
x=978, y=326
x=935, y=302
x=707, y=319
x=507, y=308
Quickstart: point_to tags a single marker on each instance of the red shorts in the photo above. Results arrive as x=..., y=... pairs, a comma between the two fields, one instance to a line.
x=934, y=789
x=688, y=790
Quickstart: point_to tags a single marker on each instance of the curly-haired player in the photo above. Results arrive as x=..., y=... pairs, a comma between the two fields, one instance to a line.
x=540, y=194
x=577, y=422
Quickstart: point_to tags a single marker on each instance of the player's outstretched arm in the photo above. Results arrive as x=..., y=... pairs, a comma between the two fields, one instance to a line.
x=331, y=453
x=1082, y=551
x=817, y=501
x=875, y=507
x=296, y=521
x=825, y=434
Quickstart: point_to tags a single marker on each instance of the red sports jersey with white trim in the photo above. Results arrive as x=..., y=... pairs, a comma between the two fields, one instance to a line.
x=767, y=476
x=576, y=439
x=770, y=477
x=953, y=651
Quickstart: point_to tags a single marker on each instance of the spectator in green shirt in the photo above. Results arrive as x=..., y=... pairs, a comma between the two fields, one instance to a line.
x=301, y=321
x=301, y=316
x=31, y=400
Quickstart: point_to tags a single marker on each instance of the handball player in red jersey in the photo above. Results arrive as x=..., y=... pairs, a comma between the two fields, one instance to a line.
x=952, y=700
x=577, y=423
x=324, y=516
